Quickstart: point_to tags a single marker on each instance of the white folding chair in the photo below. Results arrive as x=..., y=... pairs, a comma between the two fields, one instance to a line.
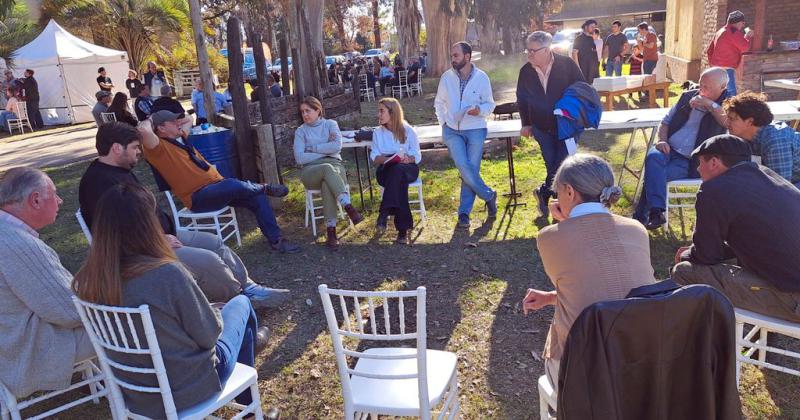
x=681, y=194
x=314, y=204
x=367, y=92
x=754, y=341
x=22, y=119
x=91, y=375
x=86, y=232
x=420, y=201
x=547, y=398
x=402, y=84
x=113, y=329
x=224, y=220
x=108, y=117
x=395, y=381
x=416, y=87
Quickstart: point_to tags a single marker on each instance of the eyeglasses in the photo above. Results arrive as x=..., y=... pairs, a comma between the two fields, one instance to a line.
x=533, y=51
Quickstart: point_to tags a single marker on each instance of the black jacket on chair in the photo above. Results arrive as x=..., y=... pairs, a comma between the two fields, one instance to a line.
x=664, y=352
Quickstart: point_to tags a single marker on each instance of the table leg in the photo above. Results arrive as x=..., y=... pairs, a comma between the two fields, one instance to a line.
x=609, y=102
x=358, y=174
x=666, y=97
x=368, y=166
x=640, y=177
x=651, y=93
x=512, y=179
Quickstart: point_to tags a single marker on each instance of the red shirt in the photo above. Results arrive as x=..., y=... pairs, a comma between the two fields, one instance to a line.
x=650, y=53
x=727, y=47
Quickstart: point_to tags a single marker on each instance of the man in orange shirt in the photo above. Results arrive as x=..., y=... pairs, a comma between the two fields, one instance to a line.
x=648, y=43
x=727, y=47
x=198, y=184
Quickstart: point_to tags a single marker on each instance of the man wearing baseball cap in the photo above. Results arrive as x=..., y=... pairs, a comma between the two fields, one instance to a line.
x=198, y=184
x=103, y=101
x=746, y=240
x=728, y=45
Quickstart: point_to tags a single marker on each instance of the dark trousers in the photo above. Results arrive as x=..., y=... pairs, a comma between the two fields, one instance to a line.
x=34, y=114
x=554, y=151
x=238, y=193
x=386, y=81
x=395, y=180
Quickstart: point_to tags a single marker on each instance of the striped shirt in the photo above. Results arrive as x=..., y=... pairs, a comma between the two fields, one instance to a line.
x=779, y=147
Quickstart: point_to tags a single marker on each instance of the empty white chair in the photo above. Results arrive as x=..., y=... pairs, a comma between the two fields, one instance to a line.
x=22, y=119
x=108, y=117
x=754, y=341
x=367, y=92
x=224, y=223
x=416, y=87
x=416, y=186
x=547, y=398
x=681, y=194
x=395, y=381
x=86, y=232
x=402, y=84
x=314, y=204
x=91, y=375
x=112, y=329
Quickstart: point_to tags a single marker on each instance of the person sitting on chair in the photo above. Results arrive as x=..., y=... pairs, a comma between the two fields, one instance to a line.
x=697, y=116
x=131, y=263
x=413, y=70
x=218, y=271
x=119, y=106
x=318, y=147
x=42, y=335
x=103, y=102
x=143, y=104
x=12, y=109
x=198, y=184
x=778, y=144
x=748, y=213
x=396, y=152
x=590, y=255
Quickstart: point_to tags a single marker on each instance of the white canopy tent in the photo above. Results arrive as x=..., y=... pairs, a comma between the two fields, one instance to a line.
x=65, y=67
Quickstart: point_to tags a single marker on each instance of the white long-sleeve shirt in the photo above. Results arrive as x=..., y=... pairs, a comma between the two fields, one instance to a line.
x=384, y=144
x=450, y=102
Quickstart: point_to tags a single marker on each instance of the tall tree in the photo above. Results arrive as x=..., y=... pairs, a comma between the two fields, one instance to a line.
x=336, y=10
x=376, y=23
x=15, y=32
x=445, y=24
x=407, y=20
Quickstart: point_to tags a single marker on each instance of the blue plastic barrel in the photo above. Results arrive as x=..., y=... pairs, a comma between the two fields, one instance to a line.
x=219, y=149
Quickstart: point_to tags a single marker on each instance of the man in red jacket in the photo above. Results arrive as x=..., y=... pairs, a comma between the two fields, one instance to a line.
x=726, y=49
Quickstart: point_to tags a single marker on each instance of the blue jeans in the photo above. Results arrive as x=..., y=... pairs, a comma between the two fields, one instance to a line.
x=648, y=66
x=237, y=342
x=554, y=151
x=731, y=82
x=466, y=150
x=659, y=168
x=238, y=193
x=613, y=68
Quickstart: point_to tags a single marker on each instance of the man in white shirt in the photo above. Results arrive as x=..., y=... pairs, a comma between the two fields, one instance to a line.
x=463, y=101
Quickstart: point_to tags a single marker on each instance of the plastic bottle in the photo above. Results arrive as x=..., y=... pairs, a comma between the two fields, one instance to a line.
x=770, y=44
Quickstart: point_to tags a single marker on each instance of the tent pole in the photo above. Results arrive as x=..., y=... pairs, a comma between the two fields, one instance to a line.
x=66, y=91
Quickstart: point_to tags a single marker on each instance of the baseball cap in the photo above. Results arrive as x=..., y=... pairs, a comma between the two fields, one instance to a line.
x=160, y=117
x=735, y=16
x=102, y=94
x=168, y=104
x=724, y=144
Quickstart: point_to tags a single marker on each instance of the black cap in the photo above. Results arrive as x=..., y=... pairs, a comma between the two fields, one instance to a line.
x=167, y=104
x=724, y=144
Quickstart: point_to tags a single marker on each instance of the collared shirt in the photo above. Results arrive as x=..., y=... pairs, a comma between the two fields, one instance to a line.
x=545, y=74
x=12, y=220
x=779, y=147
x=683, y=140
x=583, y=209
x=462, y=81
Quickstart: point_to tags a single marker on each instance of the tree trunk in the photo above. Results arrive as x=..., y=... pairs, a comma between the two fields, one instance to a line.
x=244, y=144
x=202, y=57
x=261, y=76
x=376, y=24
x=315, y=9
x=508, y=41
x=443, y=31
x=407, y=20
x=489, y=41
x=338, y=18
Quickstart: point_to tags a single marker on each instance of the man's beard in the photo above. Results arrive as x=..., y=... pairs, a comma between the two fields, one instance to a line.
x=457, y=66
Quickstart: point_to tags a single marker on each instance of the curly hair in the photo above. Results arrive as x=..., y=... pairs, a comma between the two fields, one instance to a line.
x=750, y=105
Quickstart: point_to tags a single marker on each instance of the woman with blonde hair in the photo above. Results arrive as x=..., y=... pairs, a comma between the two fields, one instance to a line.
x=591, y=255
x=318, y=147
x=395, y=151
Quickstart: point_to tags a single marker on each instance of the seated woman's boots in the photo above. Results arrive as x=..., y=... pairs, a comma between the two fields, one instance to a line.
x=332, y=242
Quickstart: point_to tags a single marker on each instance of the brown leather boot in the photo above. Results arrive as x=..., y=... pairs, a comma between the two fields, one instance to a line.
x=353, y=214
x=332, y=242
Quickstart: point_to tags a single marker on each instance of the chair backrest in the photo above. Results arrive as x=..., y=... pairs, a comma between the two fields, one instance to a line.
x=22, y=107
x=403, y=77
x=173, y=208
x=86, y=232
x=108, y=117
x=362, y=80
x=356, y=326
x=114, y=328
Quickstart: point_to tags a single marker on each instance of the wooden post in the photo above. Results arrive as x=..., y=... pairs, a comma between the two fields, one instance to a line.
x=299, y=87
x=241, y=117
x=261, y=75
x=761, y=35
x=266, y=159
x=202, y=59
x=284, y=53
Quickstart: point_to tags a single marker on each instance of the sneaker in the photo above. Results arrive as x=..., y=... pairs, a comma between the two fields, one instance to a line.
x=542, y=201
x=402, y=237
x=463, y=221
x=284, y=246
x=383, y=219
x=655, y=219
x=264, y=297
x=276, y=190
x=491, y=206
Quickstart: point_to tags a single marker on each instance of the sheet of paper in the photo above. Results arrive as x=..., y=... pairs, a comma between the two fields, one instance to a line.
x=572, y=148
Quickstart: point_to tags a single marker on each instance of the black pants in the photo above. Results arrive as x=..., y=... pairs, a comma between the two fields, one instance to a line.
x=33, y=113
x=395, y=180
x=386, y=81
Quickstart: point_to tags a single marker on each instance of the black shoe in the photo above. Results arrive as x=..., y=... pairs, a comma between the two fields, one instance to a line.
x=276, y=190
x=542, y=201
x=402, y=237
x=285, y=247
x=463, y=221
x=380, y=225
x=656, y=219
x=491, y=207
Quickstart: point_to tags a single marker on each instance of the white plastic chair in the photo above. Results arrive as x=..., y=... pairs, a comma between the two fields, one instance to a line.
x=681, y=194
x=547, y=398
x=108, y=117
x=367, y=92
x=91, y=376
x=395, y=381
x=416, y=87
x=755, y=341
x=314, y=204
x=402, y=84
x=223, y=219
x=22, y=119
x=86, y=232
x=420, y=200
x=112, y=328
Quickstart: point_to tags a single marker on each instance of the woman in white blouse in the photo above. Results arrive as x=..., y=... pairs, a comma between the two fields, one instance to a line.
x=395, y=150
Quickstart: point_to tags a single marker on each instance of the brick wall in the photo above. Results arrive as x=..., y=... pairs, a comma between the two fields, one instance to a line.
x=782, y=19
x=715, y=16
x=750, y=72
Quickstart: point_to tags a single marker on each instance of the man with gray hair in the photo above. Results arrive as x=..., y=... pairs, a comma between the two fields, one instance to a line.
x=104, y=99
x=541, y=83
x=42, y=333
x=697, y=116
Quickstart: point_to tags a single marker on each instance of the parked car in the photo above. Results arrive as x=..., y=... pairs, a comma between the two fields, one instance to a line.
x=632, y=32
x=375, y=52
x=563, y=39
x=249, y=64
x=331, y=59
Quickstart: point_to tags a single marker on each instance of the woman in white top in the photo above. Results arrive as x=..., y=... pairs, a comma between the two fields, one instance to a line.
x=11, y=111
x=395, y=150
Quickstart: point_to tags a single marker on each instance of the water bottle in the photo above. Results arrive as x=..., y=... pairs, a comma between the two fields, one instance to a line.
x=204, y=126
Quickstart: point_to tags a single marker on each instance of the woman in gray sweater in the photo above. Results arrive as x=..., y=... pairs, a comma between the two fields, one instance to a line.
x=131, y=264
x=317, y=147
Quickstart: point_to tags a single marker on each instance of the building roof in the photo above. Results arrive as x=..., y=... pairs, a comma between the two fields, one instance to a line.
x=603, y=10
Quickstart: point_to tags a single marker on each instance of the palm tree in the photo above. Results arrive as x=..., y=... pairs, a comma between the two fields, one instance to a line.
x=6, y=6
x=15, y=32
